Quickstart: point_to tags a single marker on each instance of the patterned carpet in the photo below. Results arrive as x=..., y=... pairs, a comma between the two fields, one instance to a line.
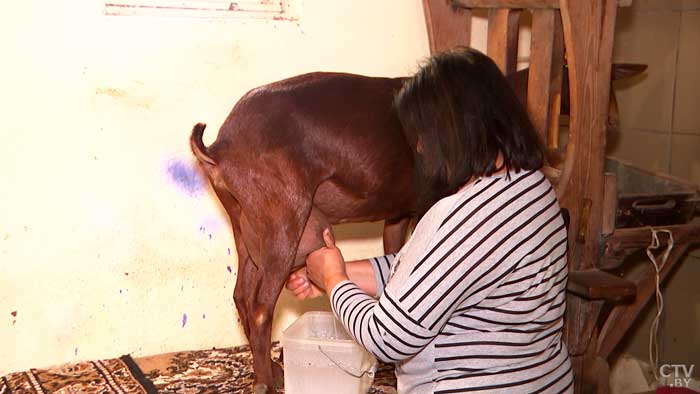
x=206, y=371
x=118, y=376
x=230, y=371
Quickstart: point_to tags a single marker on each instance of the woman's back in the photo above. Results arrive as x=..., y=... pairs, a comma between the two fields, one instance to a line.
x=488, y=266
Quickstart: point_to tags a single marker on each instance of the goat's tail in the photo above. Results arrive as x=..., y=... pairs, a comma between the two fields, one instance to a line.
x=198, y=148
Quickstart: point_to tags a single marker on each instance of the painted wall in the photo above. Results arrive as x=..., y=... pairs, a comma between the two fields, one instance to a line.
x=110, y=242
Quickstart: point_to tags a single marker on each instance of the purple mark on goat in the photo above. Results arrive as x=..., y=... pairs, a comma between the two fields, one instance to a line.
x=185, y=176
x=184, y=319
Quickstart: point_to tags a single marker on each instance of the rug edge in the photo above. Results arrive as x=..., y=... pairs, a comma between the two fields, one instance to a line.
x=138, y=374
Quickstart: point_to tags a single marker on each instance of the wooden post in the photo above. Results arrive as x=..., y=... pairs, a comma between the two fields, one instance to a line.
x=588, y=34
x=448, y=26
x=502, y=44
x=541, y=67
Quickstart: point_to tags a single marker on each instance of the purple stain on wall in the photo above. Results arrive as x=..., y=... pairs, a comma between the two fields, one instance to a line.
x=184, y=319
x=228, y=267
x=185, y=176
x=76, y=351
x=14, y=317
x=204, y=315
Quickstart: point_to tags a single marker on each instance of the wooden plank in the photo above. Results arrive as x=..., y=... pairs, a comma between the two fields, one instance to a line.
x=625, y=241
x=506, y=3
x=540, y=75
x=596, y=376
x=589, y=57
x=621, y=317
x=581, y=182
x=600, y=107
x=535, y=4
x=609, y=204
x=448, y=26
x=502, y=44
x=556, y=83
x=594, y=284
x=580, y=322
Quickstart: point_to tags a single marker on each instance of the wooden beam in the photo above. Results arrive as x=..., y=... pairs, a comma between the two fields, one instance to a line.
x=595, y=284
x=534, y=4
x=625, y=241
x=556, y=83
x=506, y=3
x=609, y=203
x=502, y=44
x=448, y=26
x=540, y=75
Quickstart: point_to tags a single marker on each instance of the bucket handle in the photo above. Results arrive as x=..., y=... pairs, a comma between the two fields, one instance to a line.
x=369, y=372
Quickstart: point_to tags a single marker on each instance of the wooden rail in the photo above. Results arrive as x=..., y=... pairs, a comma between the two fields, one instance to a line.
x=506, y=3
x=625, y=241
x=533, y=4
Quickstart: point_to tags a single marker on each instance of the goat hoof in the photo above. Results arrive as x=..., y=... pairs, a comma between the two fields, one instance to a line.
x=260, y=388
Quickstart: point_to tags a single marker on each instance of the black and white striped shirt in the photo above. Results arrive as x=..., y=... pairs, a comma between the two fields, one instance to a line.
x=474, y=301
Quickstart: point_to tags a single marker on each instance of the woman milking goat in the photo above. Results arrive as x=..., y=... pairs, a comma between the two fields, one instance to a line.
x=474, y=301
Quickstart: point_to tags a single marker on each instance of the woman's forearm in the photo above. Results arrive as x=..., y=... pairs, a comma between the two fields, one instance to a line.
x=361, y=273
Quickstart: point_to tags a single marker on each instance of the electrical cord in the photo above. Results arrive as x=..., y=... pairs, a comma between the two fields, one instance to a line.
x=654, y=331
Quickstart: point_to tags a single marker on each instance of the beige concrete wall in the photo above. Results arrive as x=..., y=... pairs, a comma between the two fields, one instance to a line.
x=660, y=131
x=107, y=237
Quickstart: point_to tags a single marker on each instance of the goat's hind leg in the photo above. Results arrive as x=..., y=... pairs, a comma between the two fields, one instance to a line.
x=275, y=231
x=233, y=209
x=247, y=277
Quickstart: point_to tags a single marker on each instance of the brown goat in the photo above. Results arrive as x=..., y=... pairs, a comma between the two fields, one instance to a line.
x=294, y=157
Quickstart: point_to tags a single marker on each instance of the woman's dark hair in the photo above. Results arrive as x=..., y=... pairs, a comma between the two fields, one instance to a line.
x=458, y=112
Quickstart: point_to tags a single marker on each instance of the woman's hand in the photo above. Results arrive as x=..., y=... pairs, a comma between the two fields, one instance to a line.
x=325, y=267
x=300, y=285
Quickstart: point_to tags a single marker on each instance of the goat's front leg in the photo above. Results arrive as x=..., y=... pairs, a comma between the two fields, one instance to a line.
x=395, y=231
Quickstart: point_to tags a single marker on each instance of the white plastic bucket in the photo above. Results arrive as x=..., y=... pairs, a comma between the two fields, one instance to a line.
x=320, y=357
